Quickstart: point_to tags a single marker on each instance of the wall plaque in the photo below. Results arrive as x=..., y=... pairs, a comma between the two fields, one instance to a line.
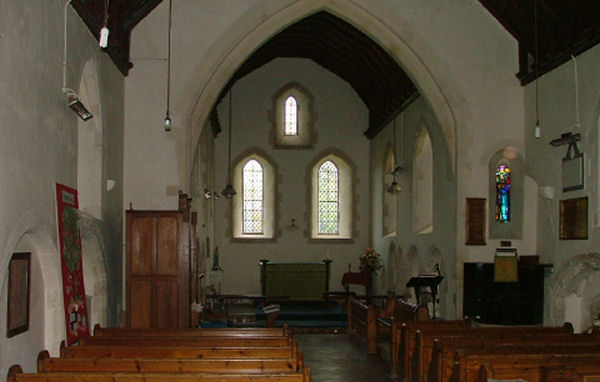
x=18, y=294
x=475, y=222
x=573, y=219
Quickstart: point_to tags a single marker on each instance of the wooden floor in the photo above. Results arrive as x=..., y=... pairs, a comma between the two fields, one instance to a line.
x=336, y=358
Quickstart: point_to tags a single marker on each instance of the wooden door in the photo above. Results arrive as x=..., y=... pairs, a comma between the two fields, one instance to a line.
x=157, y=270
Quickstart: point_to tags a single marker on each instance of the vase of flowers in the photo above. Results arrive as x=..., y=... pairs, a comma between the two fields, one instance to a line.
x=370, y=261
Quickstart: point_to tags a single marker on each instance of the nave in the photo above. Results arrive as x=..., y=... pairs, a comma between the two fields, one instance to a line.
x=338, y=358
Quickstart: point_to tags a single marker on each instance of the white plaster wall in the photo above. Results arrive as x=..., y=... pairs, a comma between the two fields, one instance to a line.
x=418, y=247
x=38, y=145
x=340, y=113
x=557, y=115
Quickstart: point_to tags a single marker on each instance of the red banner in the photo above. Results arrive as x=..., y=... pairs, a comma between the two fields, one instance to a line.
x=76, y=317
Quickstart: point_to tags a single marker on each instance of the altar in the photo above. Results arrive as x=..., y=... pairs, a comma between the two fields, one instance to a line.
x=296, y=281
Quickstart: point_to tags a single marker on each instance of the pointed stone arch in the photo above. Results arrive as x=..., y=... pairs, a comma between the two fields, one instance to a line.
x=264, y=21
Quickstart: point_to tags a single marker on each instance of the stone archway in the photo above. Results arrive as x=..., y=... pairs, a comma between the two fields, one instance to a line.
x=256, y=27
x=574, y=291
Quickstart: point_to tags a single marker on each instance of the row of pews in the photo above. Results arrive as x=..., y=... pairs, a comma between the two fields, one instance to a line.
x=216, y=354
x=457, y=351
x=424, y=350
x=381, y=327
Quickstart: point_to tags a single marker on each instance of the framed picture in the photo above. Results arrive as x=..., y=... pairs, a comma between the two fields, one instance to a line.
x=475, y=222
x=574, y=219
x=19, y=281
x=572, y=173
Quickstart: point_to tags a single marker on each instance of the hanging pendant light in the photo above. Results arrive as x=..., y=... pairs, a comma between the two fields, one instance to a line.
x=103, y=41
x=394, y=187
x=167, y=122
x=228, y=192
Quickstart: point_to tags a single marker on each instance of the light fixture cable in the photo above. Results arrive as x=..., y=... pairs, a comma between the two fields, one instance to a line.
x=104, y=32
x=229, y=191
x=168, y=117
x=537, y=133
x=576, y=89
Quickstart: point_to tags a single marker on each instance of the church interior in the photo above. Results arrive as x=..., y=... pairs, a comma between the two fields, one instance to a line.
x=444, y=153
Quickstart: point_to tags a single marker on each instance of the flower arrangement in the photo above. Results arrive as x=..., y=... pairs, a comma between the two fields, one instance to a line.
x=370, y=261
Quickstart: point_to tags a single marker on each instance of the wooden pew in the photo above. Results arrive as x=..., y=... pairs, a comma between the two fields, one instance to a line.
x=361, y=322
x=406, y=338
x=468, y=360
x=587, y=371
x=389, y=321
x=191, y=332
x=203, y=341
x=424, y=355
x=163, y=365
x=179, y=352
x=550, y=369
x=16, y=374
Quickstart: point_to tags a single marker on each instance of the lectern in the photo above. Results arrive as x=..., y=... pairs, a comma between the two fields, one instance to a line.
x=426, y=281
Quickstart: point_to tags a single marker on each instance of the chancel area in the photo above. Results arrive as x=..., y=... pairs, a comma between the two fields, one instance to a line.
x=418, y=180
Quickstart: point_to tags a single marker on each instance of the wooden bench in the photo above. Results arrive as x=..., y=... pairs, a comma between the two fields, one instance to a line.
x=361, y=322
x=16, y=374
x=550, y=369
x=192, y=332
x=164, y=365
x=203, y=341
x=468, y=360
x=179, y=352
x=424, y=353
x=406, y=338
x=389, y=321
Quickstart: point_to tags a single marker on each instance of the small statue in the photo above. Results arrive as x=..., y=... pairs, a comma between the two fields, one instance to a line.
x=216, y=266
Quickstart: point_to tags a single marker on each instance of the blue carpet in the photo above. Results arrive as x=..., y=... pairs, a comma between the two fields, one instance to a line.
x=303, y=315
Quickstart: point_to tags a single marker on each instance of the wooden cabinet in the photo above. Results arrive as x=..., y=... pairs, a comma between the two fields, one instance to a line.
x=158, y=269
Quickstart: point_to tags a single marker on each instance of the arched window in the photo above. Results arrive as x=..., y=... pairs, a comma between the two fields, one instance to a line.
x=252, y=194
x=253, y=208
x=503, y=184
x=328, y=198
x=389, y=207
x=291, y=116
x=331, y=195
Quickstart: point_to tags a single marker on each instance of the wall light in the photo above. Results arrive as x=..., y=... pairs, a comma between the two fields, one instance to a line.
x=78, y=107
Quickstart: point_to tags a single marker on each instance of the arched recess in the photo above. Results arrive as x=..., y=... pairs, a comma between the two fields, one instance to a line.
x=89, y=144
x=390, y=268
x=46, y=315
x=574, y=291
x=413, y=266
x=422, y=182
x=389, y=213
x=90, y=140
x=257, y=26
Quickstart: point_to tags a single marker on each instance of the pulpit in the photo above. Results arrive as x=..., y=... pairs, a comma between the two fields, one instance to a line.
x=426, y=281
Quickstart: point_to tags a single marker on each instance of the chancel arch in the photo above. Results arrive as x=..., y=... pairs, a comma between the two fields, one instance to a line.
x=257, y=26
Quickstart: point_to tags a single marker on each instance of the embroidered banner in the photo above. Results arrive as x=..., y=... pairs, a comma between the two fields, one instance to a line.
x=76, y=317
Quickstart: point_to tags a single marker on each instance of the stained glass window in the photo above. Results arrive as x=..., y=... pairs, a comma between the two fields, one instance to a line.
x=503, y=194
x=328, y=198
x=291, y=116
x=252, y=194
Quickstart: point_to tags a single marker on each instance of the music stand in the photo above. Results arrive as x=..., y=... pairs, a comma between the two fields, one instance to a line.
x=426, y=281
